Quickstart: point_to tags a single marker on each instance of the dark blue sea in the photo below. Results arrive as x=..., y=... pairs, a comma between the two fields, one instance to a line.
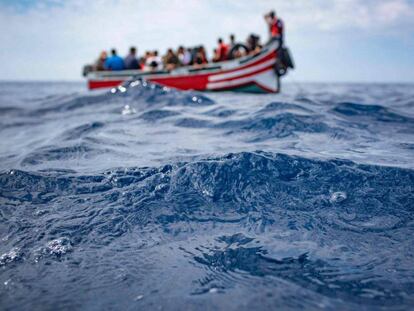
x=147, y=198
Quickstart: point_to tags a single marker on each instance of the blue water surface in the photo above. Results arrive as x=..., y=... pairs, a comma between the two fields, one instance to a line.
x=146, y=198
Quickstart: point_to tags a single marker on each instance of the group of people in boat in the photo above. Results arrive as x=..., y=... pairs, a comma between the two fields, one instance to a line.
x=184, y=56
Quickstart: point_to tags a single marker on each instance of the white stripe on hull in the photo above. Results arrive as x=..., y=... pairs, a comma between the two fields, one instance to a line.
x=266, y=79
x=241, y=72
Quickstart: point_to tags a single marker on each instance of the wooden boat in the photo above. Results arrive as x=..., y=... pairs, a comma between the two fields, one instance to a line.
x=259, y=73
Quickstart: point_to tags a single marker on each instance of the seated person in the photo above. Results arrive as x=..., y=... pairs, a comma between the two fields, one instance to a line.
x=200, y=57
x=180, y=54
x=143, y=60
x=184, y=56
x=100, y=62
x=222, y=49
x=153, y=62
x=187, y=58
x=131, y=61
x=238, y=53
x=171, y=60
x=216, y=56
x=253, y=44
x=258, y=49
x=114, y=62
x=235, y=50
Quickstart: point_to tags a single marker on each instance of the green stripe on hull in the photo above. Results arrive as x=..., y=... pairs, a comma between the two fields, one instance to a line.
x=251, y=88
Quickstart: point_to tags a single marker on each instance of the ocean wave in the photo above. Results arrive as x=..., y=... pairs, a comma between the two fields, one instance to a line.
x=284, y=106
x=238, y=183
x=54, y=153
x=120, y=124
x=300, y=200
x=375, y=112
x=82, y=130
x=281, y=125
x=158, y=114
x=289, y=217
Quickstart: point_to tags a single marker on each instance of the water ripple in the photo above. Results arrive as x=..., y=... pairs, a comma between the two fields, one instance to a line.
x=145, y=197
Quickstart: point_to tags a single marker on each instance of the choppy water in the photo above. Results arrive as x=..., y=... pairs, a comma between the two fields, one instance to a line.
x=148, y=198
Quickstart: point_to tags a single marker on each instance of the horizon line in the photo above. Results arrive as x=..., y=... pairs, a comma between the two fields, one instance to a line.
x=289, y=81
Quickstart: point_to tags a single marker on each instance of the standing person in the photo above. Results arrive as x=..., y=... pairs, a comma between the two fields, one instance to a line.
x=114, y=62
x=276, y=27
x=222, y=50
x=131, y=61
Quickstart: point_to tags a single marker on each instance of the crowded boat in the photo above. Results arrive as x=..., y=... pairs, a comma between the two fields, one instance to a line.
x=111, y=69
x=187, y=56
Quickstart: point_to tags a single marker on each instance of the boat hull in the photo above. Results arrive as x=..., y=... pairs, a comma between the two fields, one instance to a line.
x=255, y=74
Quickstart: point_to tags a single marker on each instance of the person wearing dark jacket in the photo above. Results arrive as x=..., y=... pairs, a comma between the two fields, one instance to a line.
x=131, y=61
x=171, y=60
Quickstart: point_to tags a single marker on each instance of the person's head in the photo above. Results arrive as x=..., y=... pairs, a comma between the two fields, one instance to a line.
x=220, y=40
x=180, y=49
x=272, y=14
x=155, y=53
x=113, y=52
x=232, y=38
x=133, y=50
x=103, y=55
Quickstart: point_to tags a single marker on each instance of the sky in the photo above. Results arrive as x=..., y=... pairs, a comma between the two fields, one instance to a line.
x=330, y=40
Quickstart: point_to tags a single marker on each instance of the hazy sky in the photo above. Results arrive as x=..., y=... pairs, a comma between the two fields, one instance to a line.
x=331, y=40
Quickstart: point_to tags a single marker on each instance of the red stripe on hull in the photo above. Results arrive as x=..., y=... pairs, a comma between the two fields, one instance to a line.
x=99, y=84
x=198, y=82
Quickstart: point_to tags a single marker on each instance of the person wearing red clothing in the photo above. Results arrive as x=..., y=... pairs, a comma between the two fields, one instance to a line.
x=276, y=28
x=222, y=50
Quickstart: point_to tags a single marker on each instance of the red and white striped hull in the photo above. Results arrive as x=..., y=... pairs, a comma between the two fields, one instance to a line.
x=249, y=74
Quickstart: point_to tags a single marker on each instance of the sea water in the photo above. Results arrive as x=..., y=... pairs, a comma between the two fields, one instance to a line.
x=146, y=198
